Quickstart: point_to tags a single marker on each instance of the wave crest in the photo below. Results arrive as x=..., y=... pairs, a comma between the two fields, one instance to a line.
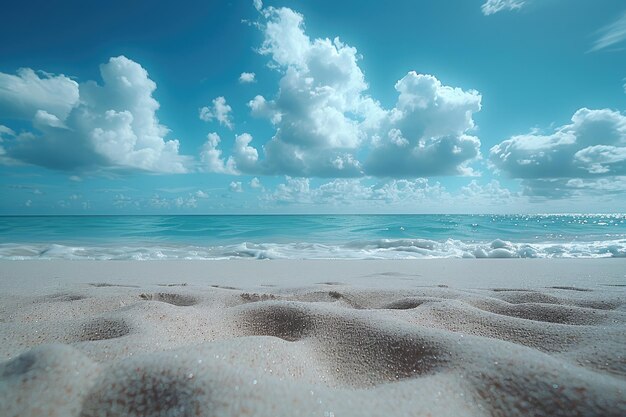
x=368, y=249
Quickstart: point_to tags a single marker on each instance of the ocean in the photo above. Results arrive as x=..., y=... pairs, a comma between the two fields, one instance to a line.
x=313, y=236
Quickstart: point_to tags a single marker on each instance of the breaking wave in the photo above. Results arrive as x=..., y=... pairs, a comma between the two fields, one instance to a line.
x=367, y=249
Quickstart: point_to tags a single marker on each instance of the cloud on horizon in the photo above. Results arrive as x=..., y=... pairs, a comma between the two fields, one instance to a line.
x=397, y=193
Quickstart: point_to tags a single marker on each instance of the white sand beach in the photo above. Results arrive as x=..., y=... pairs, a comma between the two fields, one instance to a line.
x=313, y=338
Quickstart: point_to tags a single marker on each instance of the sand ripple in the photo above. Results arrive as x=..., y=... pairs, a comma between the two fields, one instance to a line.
x=196, y=350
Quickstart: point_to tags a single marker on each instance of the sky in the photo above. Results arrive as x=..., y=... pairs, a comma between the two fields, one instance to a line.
x=313, y=106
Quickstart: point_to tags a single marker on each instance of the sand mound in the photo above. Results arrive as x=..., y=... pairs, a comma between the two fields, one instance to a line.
x=307, y=349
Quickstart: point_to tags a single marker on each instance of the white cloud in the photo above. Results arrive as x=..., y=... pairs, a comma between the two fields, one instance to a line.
x=247, y=77
x=5, y=132
x=22, y=95
x=427, y=131
x=122, y=200
x=491, y=191
x=601, y=185
x=258, y=4
x=220, y=111
x=245, y=157
x=28, y=203
x=610, y=35
x=354, y=192
x=294, y=190
x=326, y=123
x=317, y=109
x=494, y=6
x=593, y=145
x=255, y=183
x=113, y=125
x=201, y=194
x=211, y=157
x=43, y=119
x=156, y=201
x=261, y=108
x=189, y=202
x=235, y=187
x=398, y=195
x=159, y=202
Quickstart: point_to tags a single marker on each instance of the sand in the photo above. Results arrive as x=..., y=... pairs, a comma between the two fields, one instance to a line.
x=318, y=338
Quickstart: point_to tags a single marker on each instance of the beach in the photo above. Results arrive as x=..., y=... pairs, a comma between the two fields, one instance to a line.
x=439, y=337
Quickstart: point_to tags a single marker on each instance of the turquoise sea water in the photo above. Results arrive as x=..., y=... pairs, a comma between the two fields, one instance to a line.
x=312, y=236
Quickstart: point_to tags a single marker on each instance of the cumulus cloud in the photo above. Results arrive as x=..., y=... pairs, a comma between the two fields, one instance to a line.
x=219, y=111
x=317, y=109
x=235, y=187
x=244, y=158
x=327, y=125
x=92, y=126
x=255, y=183
x=494, y=6
x=427, y=131
x=122, y=201
x=260, y=107
x=405, y=195
x=247, y=77
x=189, y=202
x=601, y=185
x=180, y=202
x=211, y=157
x=351, y=191
x=491, y=192
x=24, y=94
x=610, y=35
x=5, y=133
x=593, y=145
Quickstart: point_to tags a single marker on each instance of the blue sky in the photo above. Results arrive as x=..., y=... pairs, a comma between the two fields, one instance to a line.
x=313, y=107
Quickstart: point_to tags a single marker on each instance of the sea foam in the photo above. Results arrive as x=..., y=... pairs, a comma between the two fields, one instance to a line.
x=366, y=249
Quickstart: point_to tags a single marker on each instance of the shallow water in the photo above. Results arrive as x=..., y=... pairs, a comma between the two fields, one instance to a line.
x=312, y=236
